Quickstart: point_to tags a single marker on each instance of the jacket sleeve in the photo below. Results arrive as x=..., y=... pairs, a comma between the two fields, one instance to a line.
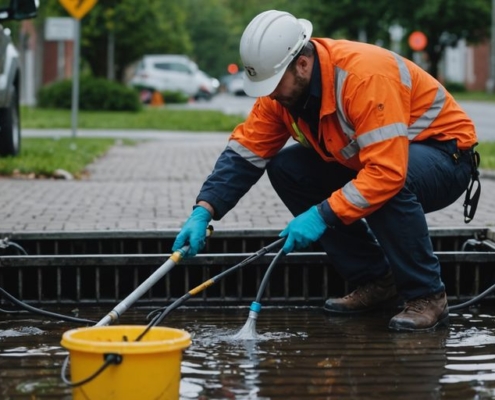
x=243, y=162
x=230, y=179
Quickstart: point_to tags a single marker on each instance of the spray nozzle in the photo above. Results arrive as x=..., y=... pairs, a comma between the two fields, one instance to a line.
x=255, y=306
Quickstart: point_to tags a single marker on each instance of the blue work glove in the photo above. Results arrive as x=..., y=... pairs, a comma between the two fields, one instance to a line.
x=193, y=233
x=303, y=230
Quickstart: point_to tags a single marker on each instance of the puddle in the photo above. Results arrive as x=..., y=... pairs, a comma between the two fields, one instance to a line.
x=298, y=353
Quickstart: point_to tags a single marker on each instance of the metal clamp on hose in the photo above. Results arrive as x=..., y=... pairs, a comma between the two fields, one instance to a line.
x=471, y=200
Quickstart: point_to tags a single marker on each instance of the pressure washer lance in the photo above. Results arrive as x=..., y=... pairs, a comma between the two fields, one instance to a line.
x=248, y=331
x=124, y=305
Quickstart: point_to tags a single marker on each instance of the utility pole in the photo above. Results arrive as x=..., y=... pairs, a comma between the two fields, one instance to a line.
x=111, y=56
x=75, y=76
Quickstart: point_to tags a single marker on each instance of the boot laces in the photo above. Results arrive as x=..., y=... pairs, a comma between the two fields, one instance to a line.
x=361, y=290
x=417, y=305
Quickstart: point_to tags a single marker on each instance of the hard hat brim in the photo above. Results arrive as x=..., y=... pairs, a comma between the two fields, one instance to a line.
x=264, y=87
x=267, y=86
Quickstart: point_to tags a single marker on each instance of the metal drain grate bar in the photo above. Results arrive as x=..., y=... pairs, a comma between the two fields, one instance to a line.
x=298, y=278
x=160, y=242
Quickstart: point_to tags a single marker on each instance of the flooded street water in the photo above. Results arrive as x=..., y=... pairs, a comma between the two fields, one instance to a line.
x=299, y=353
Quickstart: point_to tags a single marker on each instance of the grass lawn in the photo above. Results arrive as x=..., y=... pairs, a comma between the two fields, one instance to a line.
x=41, y=157
x=148, y=118
x=475, y=96
x=487, y=154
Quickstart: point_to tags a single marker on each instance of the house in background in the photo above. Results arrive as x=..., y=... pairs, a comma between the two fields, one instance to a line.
x=42, y=59
x=468, y=65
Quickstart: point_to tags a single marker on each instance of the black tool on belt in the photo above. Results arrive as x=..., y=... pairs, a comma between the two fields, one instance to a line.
x=472, y=198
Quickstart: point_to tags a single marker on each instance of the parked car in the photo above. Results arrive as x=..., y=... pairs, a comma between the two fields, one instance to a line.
x=10, y=123
x=208, y=86
x=166, y=73
x=175, y=73
x=234, y=84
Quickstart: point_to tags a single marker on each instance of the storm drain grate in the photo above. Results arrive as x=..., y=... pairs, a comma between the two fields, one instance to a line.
x=105, y=273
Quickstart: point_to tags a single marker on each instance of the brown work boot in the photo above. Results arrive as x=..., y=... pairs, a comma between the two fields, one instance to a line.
x=423, y=314
x=365, y=297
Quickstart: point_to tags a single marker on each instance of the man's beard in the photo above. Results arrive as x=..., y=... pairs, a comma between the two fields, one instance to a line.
x=299, y=91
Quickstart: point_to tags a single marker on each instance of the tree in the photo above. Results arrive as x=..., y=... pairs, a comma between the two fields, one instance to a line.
x=140, y=27
x=444, y=22
x=216, y=26
x=212, y=29
x=364, y=20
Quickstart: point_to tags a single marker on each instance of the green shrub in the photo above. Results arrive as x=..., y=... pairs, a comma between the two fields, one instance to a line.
x=174, y=97
x=56, y=95
x=96, y=94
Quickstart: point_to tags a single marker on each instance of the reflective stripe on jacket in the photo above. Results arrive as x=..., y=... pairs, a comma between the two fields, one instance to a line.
x=374, y=102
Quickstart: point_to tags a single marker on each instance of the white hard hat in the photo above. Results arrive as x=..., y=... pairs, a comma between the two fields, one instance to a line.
x=268, y=45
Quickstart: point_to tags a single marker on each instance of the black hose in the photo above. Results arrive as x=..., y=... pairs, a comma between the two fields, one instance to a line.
x=266, y=277
x=12, y=312
x=248, y=331
x=7, y=243
x=110, y=359
x=456, y=307
x=43, y=312
x=474, y=300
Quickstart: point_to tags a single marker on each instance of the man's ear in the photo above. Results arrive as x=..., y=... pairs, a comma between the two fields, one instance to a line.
x=304, y=65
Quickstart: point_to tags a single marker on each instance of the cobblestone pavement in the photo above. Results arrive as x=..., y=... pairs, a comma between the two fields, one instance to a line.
x=152, y=186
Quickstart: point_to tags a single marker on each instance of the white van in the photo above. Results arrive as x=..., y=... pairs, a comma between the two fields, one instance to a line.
x=167, y=72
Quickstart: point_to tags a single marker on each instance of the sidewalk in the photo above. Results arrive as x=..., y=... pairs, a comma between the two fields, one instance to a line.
x=152, y=186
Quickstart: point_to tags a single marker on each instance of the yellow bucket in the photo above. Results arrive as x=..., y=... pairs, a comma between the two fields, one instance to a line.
x=150, y=368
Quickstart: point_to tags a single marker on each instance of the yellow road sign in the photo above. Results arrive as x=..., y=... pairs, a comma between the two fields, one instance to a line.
x=78, y=8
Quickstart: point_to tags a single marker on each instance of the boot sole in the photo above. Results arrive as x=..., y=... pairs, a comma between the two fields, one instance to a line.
x=443, y=322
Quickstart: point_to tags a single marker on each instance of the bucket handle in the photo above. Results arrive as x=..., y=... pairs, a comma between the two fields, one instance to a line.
x=110, y=358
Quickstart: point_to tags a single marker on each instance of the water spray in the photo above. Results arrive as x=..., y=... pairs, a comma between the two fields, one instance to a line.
x=248, y=331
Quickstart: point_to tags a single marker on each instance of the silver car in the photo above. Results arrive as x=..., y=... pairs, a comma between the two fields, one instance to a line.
x=10, y=125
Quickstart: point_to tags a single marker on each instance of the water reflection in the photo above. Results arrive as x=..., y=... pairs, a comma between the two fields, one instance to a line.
x=232, y=363
x=471, y=354
x=302, y=353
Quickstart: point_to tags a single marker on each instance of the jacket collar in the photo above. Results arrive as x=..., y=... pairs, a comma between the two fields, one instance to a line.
x=327, y=75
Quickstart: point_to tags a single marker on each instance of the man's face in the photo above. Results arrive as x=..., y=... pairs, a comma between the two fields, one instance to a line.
x=290, y=89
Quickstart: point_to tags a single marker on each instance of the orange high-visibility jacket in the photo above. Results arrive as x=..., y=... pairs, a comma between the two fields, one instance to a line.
x=374, y=102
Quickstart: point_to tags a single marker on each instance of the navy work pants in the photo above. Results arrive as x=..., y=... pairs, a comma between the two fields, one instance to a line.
x=395, y=236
